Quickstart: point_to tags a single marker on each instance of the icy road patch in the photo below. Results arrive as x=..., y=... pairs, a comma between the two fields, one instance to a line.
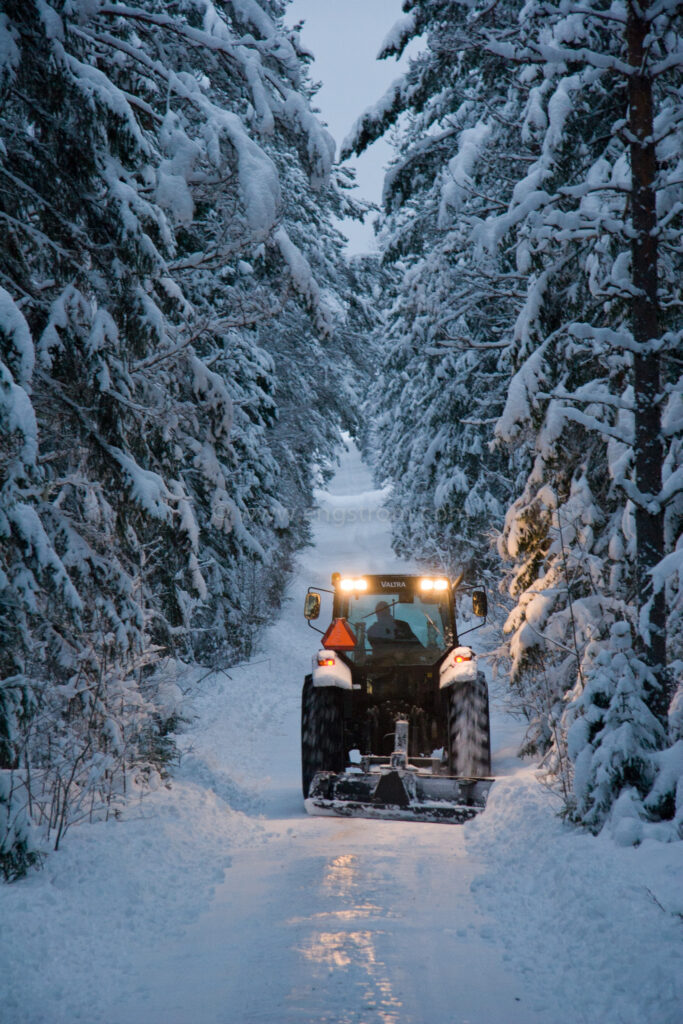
x=218, y=901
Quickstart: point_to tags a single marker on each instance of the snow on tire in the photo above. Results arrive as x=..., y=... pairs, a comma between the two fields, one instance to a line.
x=469, y=733
x=322, y=731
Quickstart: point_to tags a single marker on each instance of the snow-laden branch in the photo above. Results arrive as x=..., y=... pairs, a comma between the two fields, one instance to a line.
x=545, y=53
x=257, y=175
x=585, y=394
x=374, y=121
x=23, y=227
x=18, y=348
x=247, y=61
x=303, y=279
x=616, y=340
x=458, y=176
x=521, y=396
x=27, y=524
x=659, y=8
x=670, y=565
x=594, y=424
x=673, y=60
x=613, y=15
x=398, y=37
x=147, y=488
x=460, y=342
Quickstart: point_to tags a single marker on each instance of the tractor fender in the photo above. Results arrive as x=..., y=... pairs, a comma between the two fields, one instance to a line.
x=459, y=666
x=337, y=674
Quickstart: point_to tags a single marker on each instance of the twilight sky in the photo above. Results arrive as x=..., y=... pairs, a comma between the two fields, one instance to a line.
x=345, y=36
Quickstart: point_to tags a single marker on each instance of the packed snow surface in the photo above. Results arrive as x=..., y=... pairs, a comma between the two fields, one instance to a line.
x=218, y=901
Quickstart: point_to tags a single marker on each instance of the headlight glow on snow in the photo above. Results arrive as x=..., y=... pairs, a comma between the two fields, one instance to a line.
x=348, y=584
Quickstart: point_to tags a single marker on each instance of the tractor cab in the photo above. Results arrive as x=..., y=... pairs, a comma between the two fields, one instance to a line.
x=403, y=620
x=400, y=620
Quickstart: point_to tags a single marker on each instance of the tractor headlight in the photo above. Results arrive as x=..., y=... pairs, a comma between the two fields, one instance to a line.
x=430, y=584
x=348, y=584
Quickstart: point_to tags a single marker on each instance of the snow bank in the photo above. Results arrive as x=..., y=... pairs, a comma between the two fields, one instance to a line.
x=570, y=906
x=73, y=935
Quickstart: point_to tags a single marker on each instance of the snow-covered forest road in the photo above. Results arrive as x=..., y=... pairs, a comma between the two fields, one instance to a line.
x=219, y=900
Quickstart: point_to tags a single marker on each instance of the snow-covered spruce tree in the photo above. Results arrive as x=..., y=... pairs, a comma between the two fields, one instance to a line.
x=447, y=319
x=614, y=739
x=596, y=225
x=18, y=523
x=146, y=253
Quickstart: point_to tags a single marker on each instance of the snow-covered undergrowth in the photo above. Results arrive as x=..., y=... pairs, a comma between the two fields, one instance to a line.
x=73, y=933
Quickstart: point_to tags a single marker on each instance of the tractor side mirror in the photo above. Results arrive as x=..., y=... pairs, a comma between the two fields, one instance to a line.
x=312, y=606
x=480, y=605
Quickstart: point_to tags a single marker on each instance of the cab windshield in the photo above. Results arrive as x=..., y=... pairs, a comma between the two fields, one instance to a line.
x=410, y=629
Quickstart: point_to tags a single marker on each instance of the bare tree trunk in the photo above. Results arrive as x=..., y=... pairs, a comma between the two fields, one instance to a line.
x=649, y=446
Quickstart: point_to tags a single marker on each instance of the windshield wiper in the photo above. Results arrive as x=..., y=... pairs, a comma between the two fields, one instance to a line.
x=433, y=624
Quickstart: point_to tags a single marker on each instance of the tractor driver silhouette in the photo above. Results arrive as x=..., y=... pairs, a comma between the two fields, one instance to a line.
x=388, y=633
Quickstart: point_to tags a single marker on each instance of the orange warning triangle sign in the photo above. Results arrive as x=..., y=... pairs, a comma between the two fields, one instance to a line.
x=339, y=636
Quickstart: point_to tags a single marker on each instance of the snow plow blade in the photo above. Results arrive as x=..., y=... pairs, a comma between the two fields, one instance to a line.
x=397, y=793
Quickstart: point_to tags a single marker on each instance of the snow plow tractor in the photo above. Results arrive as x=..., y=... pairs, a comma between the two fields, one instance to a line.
x=395, y=715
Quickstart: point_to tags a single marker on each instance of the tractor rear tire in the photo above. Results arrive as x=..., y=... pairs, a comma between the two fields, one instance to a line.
x=322, y=731
x=469, y=732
